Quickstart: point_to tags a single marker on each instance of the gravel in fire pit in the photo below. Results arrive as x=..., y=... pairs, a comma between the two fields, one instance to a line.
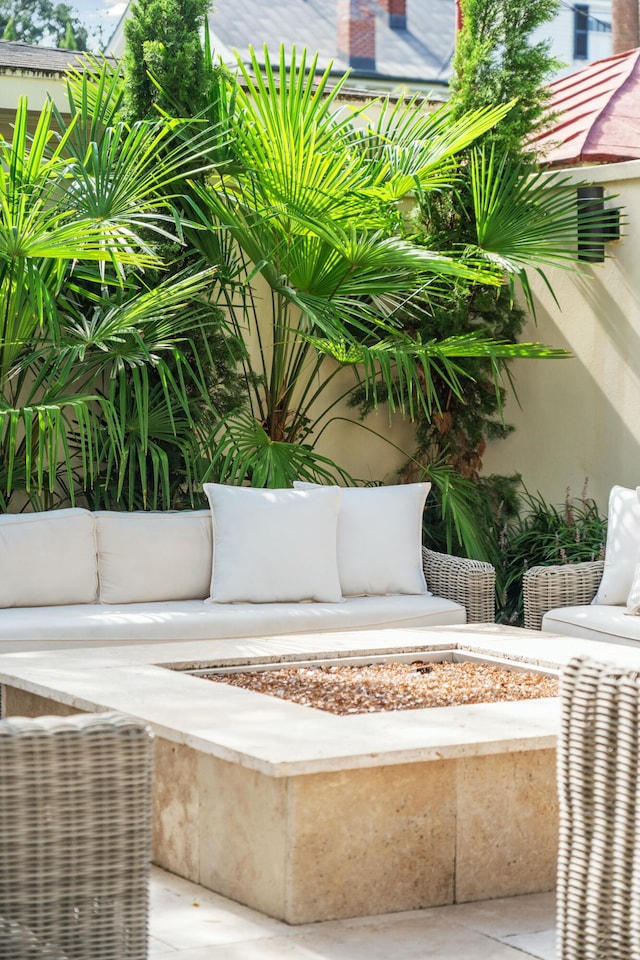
x=394, y=686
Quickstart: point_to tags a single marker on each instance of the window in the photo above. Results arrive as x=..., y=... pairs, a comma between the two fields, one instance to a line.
x=580, y=31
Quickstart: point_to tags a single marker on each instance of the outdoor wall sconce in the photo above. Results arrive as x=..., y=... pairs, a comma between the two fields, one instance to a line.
x=594, y=231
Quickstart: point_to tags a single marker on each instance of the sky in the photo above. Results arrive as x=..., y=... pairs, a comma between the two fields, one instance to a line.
x=100, y=17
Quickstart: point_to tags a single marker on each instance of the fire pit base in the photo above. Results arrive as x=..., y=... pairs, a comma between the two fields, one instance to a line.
x=309, y=816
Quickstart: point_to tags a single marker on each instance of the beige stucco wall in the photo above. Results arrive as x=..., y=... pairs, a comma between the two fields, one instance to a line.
x=580, y=418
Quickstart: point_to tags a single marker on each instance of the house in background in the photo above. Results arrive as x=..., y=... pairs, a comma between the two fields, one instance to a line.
x=580, y=34
x=402, y=45
x=32, y=72
x=596, y=115
x=392, y=44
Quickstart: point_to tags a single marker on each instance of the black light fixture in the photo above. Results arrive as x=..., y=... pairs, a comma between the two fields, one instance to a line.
x=596, y=225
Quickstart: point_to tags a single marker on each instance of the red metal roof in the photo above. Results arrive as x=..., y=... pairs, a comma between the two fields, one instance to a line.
x=597, y=114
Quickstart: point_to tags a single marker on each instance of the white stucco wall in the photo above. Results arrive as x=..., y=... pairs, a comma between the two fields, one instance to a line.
x=580, y=418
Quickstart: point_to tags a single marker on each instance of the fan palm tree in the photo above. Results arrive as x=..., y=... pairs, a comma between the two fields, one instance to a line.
x=92, y=356
x=314, y=202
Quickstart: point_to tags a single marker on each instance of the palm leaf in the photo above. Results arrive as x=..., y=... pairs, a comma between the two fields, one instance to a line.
x=419, y=148
x=524, y=219
x=243, y=452
x=406, y=369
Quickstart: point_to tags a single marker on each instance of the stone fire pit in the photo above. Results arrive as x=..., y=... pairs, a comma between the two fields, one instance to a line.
x=305, y=815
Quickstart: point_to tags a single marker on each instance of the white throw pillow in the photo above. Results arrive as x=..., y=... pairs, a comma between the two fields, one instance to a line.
x=146, y=557
x=48, y=558
x=622, y=547
x=380, y=539
x=274, y=546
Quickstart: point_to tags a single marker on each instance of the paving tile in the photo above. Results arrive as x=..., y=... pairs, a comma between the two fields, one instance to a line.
x=158, y=949
x=190, y=923
x=185, y=915
x=421, y=937
x=507, y=916
x=541, y=945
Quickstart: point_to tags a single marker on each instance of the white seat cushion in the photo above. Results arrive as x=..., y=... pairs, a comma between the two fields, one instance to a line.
x=145, y=557
x=594, y=622
x=197, y=620
x=47, y=558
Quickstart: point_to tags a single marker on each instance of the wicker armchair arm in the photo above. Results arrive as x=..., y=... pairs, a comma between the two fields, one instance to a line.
x=469, y=582
x=563, y=585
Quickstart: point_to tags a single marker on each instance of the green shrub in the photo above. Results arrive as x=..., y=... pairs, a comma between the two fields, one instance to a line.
x=543, y=534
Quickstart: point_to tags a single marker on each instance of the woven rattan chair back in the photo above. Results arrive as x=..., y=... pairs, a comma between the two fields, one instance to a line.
x=75, y=838
x=599, y=792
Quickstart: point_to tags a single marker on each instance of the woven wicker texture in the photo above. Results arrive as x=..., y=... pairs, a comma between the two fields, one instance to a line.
x=75, y=838
x=469, y=582
x=564, y=585
x=599, y=840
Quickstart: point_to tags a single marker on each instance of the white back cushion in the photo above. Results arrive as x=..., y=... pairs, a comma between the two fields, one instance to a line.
x=47, y=558
x=144, y=557
x=622, y=547
x=380, y=539
x=274, y=545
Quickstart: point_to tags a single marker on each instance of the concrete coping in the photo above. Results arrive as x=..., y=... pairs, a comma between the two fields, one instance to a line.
x=279, y=738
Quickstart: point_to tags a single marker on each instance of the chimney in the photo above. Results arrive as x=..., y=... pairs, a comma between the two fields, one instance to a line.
x=357, y=33
x=625, y=28
x=397, y=10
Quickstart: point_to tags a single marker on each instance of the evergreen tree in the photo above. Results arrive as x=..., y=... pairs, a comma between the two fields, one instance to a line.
x=163, y=38
x=163, y=42
x=496, y=62
x=69, y=41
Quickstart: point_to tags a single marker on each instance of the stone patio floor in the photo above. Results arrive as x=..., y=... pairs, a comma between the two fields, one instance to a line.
x=190, y=923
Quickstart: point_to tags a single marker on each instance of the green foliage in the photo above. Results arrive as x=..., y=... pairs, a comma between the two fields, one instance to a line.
x=69, y=41
x=100, y=393
x=329, y=279
x=163, y=39
x=543, y=534
x=166, y=75
x=497, y=62
x=42, y=22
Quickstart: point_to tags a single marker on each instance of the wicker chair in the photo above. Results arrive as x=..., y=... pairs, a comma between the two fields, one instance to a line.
x=75, y=837
x=599, y=784
x=469, y=582
x=564, y=585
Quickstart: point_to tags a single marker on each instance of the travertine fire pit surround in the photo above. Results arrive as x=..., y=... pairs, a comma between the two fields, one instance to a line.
x=305, y=815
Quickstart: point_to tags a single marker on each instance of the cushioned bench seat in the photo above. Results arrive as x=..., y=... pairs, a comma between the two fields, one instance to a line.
x=197, y=620
x=594, y=622
x=300, y=561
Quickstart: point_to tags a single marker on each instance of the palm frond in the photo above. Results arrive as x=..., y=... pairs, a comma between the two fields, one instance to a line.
x=527, y=220
x=243, y=452
x=404, y=369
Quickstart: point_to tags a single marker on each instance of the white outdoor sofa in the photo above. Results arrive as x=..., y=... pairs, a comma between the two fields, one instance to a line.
x=599, y=599
x=79, y=578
